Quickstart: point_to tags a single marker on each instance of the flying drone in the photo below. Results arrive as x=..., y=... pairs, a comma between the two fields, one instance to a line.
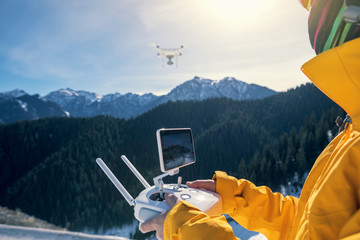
x=169, y=53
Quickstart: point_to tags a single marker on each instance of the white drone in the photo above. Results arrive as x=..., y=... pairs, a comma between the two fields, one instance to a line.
x=169, y=53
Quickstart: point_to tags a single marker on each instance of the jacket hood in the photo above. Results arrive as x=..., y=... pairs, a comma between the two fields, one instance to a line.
x=336, y=72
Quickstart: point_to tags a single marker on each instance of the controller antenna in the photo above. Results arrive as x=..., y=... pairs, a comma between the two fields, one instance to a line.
x=135, y=172
x=116, y=182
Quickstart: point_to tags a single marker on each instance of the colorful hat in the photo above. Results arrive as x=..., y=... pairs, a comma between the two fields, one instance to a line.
x=328, y=23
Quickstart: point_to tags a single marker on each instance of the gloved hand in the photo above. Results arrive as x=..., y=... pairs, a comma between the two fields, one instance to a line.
x=157, y=223
x=207, y=184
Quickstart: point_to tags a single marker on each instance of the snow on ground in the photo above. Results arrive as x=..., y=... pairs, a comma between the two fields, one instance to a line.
x=8, y=232
x=130, y=229
x=124, y=231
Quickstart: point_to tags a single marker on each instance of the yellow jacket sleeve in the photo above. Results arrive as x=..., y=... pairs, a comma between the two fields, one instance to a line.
x=351, y=229
x=184, y=222
x=256, y=208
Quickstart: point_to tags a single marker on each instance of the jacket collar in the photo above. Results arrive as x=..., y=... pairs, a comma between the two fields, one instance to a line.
x=336, y=72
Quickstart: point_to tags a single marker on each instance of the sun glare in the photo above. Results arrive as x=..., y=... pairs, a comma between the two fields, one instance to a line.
x=237, y=10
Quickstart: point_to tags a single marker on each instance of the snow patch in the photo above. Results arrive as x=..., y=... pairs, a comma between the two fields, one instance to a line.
x=68, y=92
x=294, y=186
x=23, y=105
x=330, y=136
x=123, y=231
x=15, y=232
x=98, y=97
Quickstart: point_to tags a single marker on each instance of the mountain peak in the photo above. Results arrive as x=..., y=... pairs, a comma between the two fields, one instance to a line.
x=14, y=93
x=197, y=78
x=200, y=88
x=68, y=95
x=229, y=79
x=68, y=92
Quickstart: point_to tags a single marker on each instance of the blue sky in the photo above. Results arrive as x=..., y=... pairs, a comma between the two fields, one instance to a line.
x=106, y=46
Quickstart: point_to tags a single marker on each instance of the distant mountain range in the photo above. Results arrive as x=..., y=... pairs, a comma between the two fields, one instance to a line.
x=17, y=105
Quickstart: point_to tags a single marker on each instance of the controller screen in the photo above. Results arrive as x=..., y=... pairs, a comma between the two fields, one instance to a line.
x=177, y=148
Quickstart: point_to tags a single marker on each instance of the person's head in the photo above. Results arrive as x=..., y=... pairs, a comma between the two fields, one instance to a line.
x=332, y=22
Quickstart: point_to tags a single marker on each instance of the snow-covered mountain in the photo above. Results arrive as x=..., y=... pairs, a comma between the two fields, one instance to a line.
x=81, y=103
x=17, y=105
x=12, y=94
x=74, y=102
x=201, y=89
x=87, y=104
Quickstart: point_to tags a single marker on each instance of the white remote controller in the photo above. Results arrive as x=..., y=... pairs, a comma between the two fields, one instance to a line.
x=151, y=202
x=176, y=149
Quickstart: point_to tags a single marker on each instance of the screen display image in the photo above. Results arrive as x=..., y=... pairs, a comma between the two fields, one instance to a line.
x=177, y=148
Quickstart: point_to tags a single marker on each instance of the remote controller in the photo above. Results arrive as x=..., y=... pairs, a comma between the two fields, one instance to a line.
x=151, y=202
x=173, y=143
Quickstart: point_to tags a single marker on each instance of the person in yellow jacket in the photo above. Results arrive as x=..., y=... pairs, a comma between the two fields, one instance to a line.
x=329, y=205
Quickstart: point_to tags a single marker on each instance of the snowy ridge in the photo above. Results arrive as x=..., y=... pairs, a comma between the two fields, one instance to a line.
x=195, y=89
x=12, y=94
x=17, y=105
x=66, y=96
x=88, y=104
x=201, y=89
x=82, y=103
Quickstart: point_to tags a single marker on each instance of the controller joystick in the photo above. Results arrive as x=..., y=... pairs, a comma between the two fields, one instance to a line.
x=157, y=197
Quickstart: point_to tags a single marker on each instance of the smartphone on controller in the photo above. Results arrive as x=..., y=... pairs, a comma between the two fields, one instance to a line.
x=176, y=148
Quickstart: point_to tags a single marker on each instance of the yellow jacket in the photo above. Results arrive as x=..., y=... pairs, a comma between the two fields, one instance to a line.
x=329, y=204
